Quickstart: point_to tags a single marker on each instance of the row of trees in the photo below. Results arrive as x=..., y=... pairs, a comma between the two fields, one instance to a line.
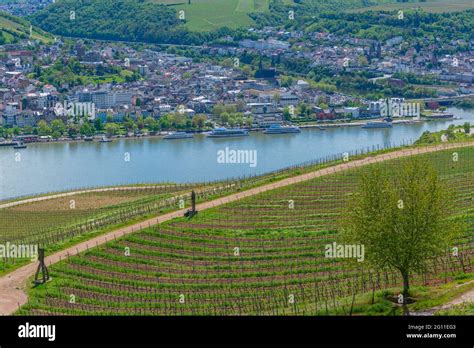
x=231, y=115
x=57, y=128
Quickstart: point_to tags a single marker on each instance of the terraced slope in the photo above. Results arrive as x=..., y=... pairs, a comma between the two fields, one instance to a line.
x=261, y=255
x=57, y=220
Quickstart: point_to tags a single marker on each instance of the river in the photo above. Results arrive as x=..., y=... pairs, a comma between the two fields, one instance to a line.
x=52, y=167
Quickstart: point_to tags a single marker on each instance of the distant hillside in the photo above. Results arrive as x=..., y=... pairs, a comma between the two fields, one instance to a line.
x=174, y=21
x=213, y=14
x=433, y=6
x=13, y=29
x=201, y=21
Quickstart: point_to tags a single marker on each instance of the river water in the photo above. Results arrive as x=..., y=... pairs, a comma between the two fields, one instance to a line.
x=52, y=167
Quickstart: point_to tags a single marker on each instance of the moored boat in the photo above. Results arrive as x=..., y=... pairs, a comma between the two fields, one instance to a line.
x=375, y=125
x=227, y=133
x=105, y=140
x=7, y=143
x=279, y=129
x=439, y=116
x=20, y=145
x=178, y=135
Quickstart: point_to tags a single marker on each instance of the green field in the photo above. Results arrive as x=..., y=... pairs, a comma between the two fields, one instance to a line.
x=18, y=28
x=256, y=256
x=434, y=6
x=204, y=15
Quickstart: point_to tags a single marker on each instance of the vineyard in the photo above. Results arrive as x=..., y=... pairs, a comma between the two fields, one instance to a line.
x=262, y=255
x=67, y=216
x=51, y=221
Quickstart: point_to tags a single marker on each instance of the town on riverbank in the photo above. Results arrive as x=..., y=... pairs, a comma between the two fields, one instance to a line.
x=79, y=89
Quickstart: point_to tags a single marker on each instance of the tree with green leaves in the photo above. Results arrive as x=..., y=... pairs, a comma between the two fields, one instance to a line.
x=402, y=217
x=287, y=115
x=151, y=124
x=98, y=125
x=58, y=128
x=467, y=128
x=43, y=128
x=111, y=129
x=87, y=129
x=199, y=121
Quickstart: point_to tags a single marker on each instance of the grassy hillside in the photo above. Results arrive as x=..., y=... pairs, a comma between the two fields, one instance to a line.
x=213, y=14
x=13, y=29
x=254, y=256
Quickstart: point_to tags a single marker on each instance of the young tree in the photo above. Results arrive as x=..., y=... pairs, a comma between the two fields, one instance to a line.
x=129, y=124
x=111, y=129
x=27, y=130
x=199, y=121
x=43, y=128
x=247, y=70
x=58, y=128
x=277, y=98
x=467, y=128
x=402, y=219
x=140, y=122
x=98, y=125
x=152, y=124
x=287, y=113
x=87, y=129
x=73, y=129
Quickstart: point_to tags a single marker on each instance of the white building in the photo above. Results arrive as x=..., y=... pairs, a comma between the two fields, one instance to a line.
x=105, y=99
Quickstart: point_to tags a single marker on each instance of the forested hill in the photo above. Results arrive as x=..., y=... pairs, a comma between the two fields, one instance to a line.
x=157, y=21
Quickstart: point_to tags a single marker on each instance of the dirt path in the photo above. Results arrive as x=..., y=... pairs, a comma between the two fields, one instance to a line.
x=12, y=285
x=466, y=297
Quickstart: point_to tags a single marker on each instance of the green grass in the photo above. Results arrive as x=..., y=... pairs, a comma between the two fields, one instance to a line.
x=454, y=134
x=433, y=297
x=280, y=254
x=462, y=309
x=21, y=29
x=434, y=6
x=203, y=15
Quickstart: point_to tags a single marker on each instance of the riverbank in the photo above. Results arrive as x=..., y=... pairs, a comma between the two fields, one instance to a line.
x=66, y=166
x=359, y=123
x=161, y=135
x=34, y=139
